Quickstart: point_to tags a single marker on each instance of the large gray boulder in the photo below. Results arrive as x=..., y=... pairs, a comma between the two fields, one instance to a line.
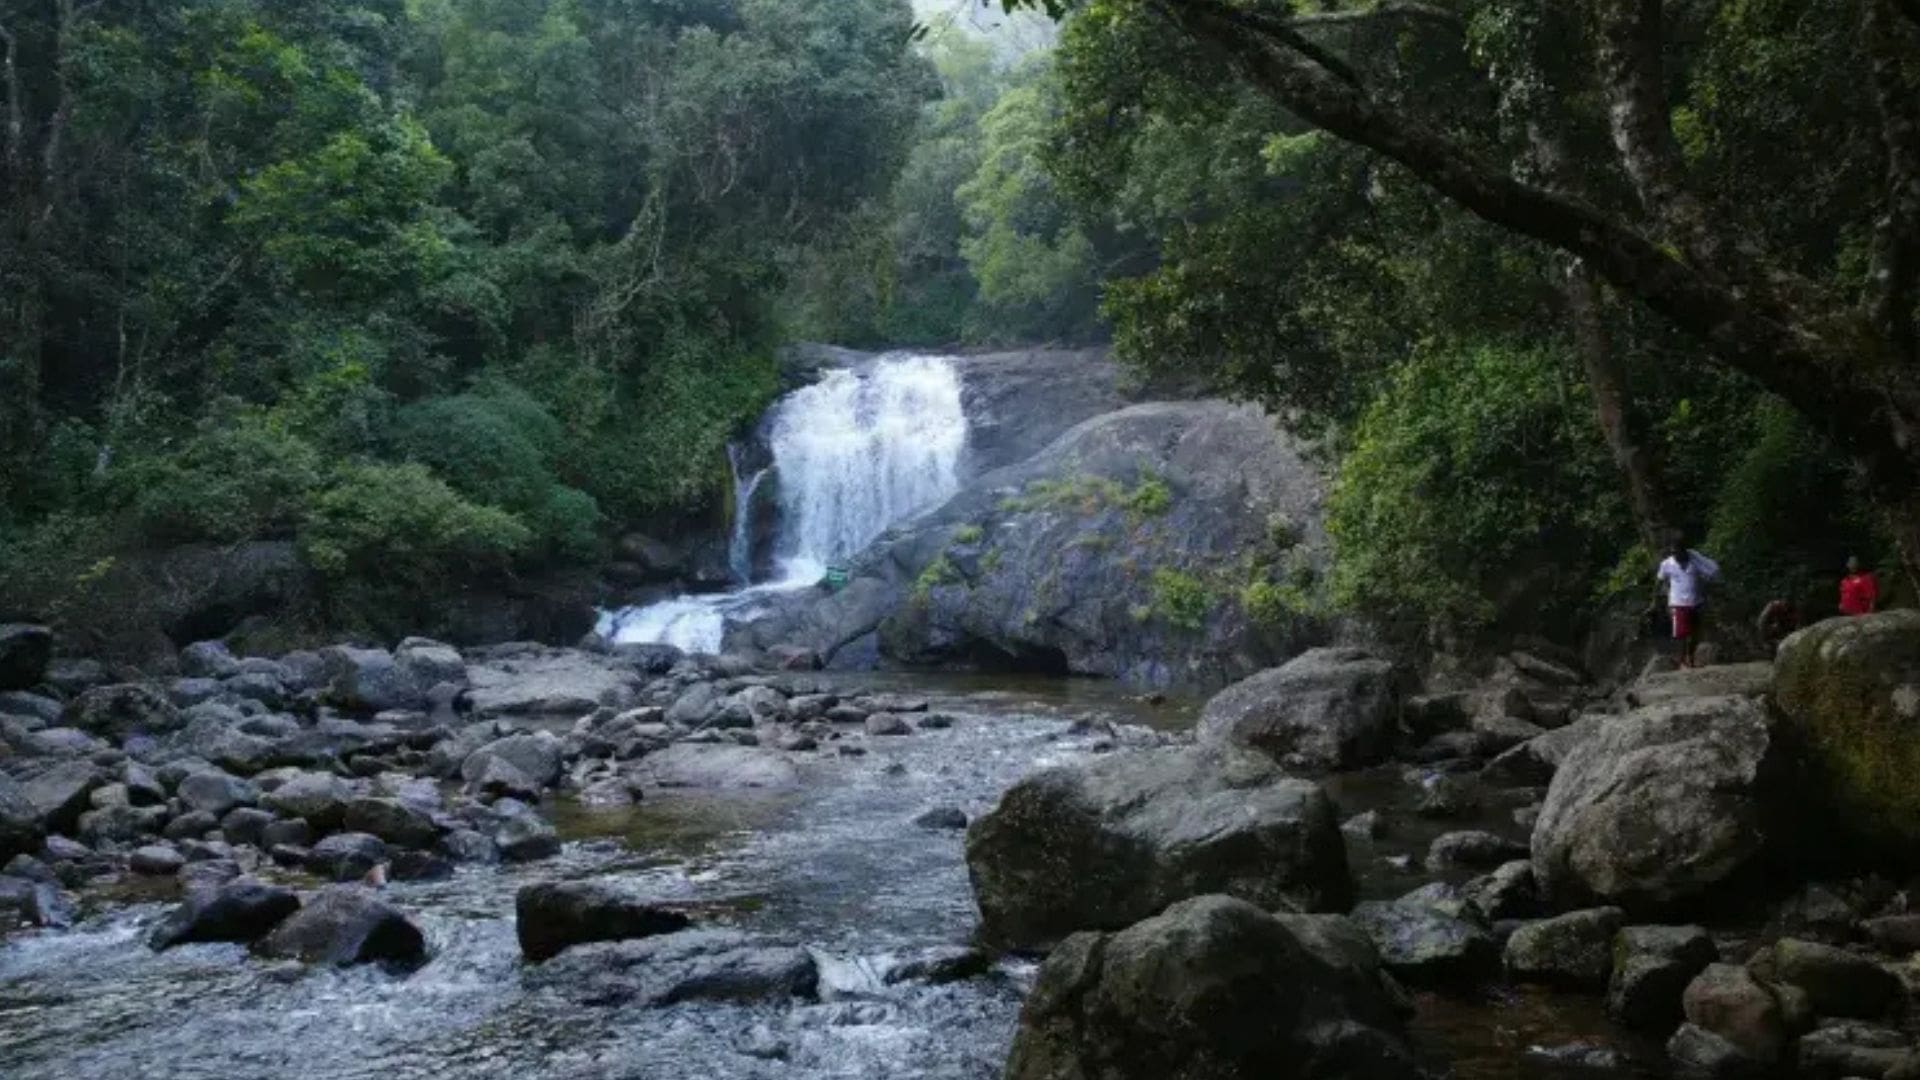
x=115, y=712
x=694, y=965
x=1103, y=554
x=1666, y=805
x=1849, y=692
x=369, y=680
x=1336, y=708
x=1104, y=845
x=555, y=915
x=1426, y=946
x=537, y=756
x=60, y=794
x=551, y=682
x=25, y=650
x=346, y=925
x=319, y=799
x=1213, y=989
x=20, y=831
x=241, y=911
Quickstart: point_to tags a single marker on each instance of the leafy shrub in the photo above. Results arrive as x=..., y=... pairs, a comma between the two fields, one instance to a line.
x=968, y=534
x=567, y=525
x=243, y=479
x=1181, y=599
x=478, y=447
x=1151, y=497
x=402, y=525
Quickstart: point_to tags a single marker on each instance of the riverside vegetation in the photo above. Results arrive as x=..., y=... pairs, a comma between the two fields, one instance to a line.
x=327, y=325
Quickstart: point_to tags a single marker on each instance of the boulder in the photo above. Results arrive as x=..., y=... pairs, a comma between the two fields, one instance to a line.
x=1574, y=950
x=1533, y=762
x=156, y=860
x=1330, y=709
x=61, y=794
x=553, y=916
x=215, y=792
x=696, y=706
x=319, y=799
x=1847, y=1048
x=1729, y=1002
x=537, y=756
x=1472, y=849
x=1103, y=845
x=1665, y=805
x=941, y=818
x=1849, y=691
x=884, y=724
x=346, y=856
x=1652, y=966
x=25, y=650
x=391, y=820
x=693, y=965
x=553, y=682
x=1715, y=680
x=20, y=830
x=345, y=925
x=1836, y=982
x=369, y=681
x=1212, y=989
x=36, y=903
x=718, y=767
x=115, y=712
x=1427, y=946
x=430, y=663
x=526, y=838
x=1509, y=892
x=208, y=660
x=1699, y=1054
x=241, y=911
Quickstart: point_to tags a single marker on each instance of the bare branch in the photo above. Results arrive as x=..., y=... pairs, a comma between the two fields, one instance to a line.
x=1411, y=11
x=1893, y=282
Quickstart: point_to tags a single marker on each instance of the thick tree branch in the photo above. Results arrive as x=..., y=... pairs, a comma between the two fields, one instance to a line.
x=16, y=121
x=1893, y=281
x=1411, y=11
x=1804, y=354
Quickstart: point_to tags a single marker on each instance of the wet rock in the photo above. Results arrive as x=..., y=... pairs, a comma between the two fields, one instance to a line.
x=116, y=712
x=1167, y=997
x=1585, y=1057
x=295, y=833
x=933, y=722
x=208, y=660
x=262, y=688
x=1509, y=892
x=526, y=838
x=890, y=703
x=1572, y=950
x=1729, y=1002
x=1848, y=1048
x=1426, y=946
x=1652, y=966
x=62, y=742
x=553, y=916
x=216, y=792
x=693, y=965
x=1428, y=715
x=36, y=903
x=345, y=925
x=186, y=693
x=1699, y=1054
x=1663, y=806
x=25, y=650
x=393, y=821
x=214, y=734
x=1103, y=845
x=368, y=681
x=61, y=794
x=940, y=965
x=1325, y=709
x=1446, y=797
x=420, y=866
x=469, y=846
x=498, y=778
x=143, y=785
x=887, y=724
x=30, y=868
x=155, y=860
x=241, y=911
x=942, y=817
x=695, y=706
x=1473, y=850
x=121, y=824
x=1898, y=934
x=758, y=705
x=346, y=856
x=60, y=849
x=1533, y=762
x=246, y=825
x=1836, y=982
x=319, y=799
x=688, y=765
x=1369, y=825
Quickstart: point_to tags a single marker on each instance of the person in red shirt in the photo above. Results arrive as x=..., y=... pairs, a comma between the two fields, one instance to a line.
x=1859, y=590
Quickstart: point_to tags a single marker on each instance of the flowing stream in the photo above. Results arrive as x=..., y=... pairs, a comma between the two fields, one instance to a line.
x=853, y=454
x=835, y=865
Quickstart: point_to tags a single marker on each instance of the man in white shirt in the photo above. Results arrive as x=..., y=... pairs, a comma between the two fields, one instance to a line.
x=1684, y=574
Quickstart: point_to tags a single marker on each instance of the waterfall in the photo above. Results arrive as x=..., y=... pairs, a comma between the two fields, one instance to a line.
x=856, y=453
x=740, y=545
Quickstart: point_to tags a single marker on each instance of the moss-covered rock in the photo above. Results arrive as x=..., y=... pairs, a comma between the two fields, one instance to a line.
x=1850, y=692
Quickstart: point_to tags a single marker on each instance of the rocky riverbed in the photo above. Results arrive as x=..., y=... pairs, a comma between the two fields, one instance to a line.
x=525, y=861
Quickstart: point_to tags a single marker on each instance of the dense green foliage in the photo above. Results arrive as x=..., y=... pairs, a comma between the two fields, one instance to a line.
x=1441, y=355
x=429, y=288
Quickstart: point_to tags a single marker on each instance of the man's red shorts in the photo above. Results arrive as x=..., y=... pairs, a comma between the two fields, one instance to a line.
x=1686, y=622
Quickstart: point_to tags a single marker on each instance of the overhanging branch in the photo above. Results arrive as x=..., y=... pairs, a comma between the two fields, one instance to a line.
x=1893, y=281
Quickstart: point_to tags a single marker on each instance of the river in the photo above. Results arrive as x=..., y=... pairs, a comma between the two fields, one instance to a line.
x=835, y=865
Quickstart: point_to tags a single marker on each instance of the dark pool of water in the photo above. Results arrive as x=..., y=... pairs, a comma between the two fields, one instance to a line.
x=835, y=865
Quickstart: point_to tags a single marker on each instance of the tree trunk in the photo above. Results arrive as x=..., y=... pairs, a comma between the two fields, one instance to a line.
x=1612, y=404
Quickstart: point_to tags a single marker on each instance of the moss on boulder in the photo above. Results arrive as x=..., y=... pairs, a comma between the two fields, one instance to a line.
x=1850, y=692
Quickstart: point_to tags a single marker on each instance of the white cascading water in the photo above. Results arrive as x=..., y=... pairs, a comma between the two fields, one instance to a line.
x=855, y=454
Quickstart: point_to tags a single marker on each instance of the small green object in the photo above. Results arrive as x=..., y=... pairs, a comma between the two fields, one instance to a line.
x=836, y=578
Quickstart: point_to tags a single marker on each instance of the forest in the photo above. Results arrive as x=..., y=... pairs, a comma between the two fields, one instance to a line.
x=445, y=289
